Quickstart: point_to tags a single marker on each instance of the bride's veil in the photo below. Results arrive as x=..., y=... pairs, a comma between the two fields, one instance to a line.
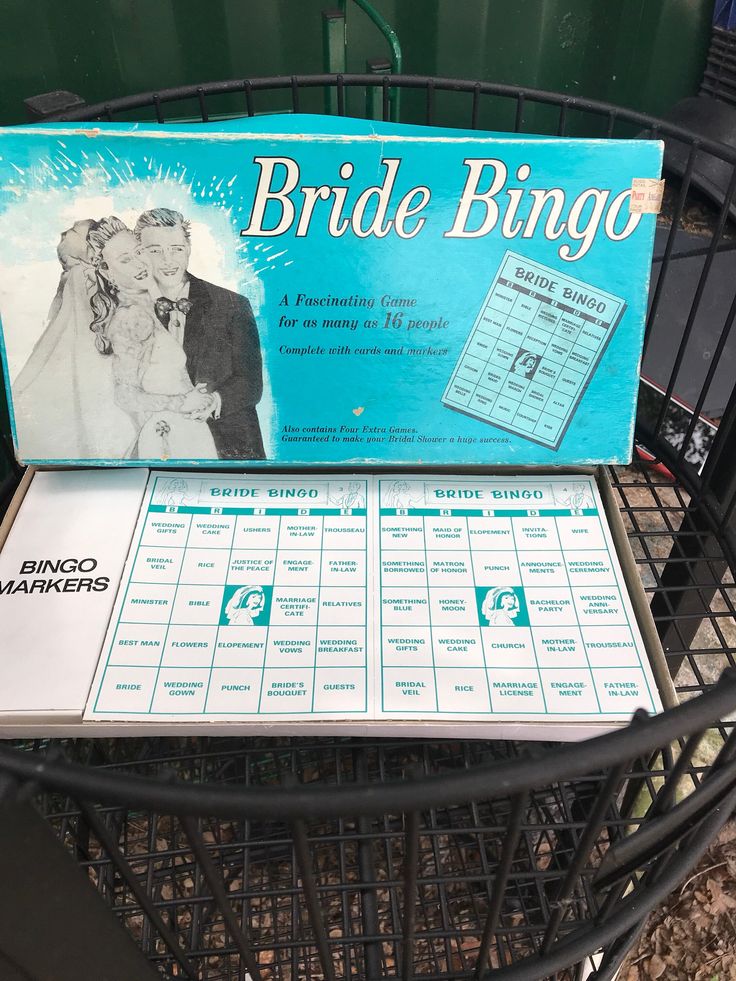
x=63, y=399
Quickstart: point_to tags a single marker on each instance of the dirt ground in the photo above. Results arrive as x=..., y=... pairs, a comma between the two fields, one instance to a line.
x=692, y=936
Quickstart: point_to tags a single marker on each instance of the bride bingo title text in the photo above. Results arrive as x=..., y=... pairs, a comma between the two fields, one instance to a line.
x=489, y=200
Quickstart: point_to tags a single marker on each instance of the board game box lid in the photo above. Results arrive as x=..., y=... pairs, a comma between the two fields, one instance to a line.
x=211, y=297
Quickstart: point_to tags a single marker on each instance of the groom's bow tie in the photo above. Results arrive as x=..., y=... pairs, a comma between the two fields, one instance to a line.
x=164, y=306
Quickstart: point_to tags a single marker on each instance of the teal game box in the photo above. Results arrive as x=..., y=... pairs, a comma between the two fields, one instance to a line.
x=209, y=297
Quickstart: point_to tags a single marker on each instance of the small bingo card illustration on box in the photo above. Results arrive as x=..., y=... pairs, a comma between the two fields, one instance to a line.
x=532, y=350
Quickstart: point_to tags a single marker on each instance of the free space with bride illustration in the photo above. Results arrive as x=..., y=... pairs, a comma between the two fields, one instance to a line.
x=188, y=295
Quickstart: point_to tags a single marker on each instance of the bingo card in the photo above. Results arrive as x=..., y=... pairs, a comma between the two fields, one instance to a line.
x=243, y=597
x=503, y=596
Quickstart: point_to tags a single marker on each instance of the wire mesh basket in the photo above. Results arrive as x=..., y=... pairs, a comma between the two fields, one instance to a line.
x=227, y=859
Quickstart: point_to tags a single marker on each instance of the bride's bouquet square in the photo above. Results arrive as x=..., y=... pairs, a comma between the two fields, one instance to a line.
x=205, y=296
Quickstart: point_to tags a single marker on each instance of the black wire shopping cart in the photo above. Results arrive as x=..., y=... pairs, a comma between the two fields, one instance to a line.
x=291, y=858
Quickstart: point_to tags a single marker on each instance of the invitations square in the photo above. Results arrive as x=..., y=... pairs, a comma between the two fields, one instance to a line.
x=536, y=534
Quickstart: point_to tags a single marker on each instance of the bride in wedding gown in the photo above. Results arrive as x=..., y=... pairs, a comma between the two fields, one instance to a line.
x=63, y=402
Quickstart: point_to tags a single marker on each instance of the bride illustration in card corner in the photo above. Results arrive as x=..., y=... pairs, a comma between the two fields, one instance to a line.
x=138, y=359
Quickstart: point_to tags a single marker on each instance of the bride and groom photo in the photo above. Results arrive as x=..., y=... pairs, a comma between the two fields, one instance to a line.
x=139, y=358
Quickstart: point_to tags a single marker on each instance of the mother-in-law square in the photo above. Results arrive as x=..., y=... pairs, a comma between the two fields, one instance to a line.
x=140, y=359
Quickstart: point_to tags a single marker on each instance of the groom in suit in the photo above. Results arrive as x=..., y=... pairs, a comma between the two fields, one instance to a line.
x=217, y=330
